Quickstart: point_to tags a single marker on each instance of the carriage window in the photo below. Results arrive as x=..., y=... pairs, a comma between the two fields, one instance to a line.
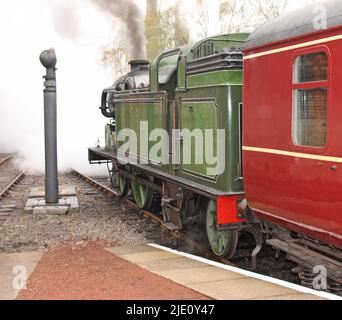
x=311, y=67
x=167, y=67
x=310, y=100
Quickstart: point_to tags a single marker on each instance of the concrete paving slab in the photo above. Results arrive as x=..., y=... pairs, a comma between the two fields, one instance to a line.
x=241, y=289
x=212, y=281
x=64, y=191
x=145, y=257
x=199, y=275
x=38, y=205
x=175, y=263
x=58, y=211
x=295, y=297
x=119, y=251
x=13, y=268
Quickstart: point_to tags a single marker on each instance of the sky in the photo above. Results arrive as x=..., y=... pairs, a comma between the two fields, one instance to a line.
x=78, y=31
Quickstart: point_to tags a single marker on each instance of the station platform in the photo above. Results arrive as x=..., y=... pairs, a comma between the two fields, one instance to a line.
x=145, y=272
x=15, y=268
x=214, y=280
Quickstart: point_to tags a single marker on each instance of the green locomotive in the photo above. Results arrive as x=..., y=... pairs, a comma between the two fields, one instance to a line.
x=175, y=135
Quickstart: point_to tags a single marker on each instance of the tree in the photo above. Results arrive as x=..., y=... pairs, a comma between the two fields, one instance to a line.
x=235, y=16
x=245, y=15
x=164, y=29
x=117, y=59
x=152, y=29
x=181, y=32
x=202, y=17
x=269, y=9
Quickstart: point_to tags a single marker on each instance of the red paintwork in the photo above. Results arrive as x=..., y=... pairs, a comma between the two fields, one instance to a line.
x=227, y=210
x=300, y=194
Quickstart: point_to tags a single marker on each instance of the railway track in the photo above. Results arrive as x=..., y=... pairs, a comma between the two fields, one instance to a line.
x=9, y=177
x=5, y=158
x=11, y=184
x=156, y=220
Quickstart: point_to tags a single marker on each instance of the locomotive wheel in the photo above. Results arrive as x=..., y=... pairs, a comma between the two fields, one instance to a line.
x=120, y=184
x=222, y=243
x=143, y=195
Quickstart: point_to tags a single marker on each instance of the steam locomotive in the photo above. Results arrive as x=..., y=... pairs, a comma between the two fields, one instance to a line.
x=265, y=105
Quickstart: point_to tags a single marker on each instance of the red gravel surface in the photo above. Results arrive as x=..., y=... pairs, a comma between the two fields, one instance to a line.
x=88, y=272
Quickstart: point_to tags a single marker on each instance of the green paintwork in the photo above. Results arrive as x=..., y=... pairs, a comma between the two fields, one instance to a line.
x=148, y=108
x=167, y=212
x=143, y=196
x=181, y=75
x=110, y=138
x=120, y=184
x=154, y=68
x=215, y=98
x=227, y=99
x=215, y=78
x=218, y=240
x=235, y=40
x=198, y=116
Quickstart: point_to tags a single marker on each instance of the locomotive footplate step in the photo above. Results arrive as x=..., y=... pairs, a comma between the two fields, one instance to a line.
x=67, y=203
x=212, y=279
x=171, y=226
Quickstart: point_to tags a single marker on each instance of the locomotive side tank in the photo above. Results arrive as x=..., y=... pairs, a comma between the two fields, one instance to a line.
x=189, y=99
x=292, y=122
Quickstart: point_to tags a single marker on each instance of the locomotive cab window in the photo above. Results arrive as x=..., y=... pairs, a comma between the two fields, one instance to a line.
x=167, y=67
x=310, y=100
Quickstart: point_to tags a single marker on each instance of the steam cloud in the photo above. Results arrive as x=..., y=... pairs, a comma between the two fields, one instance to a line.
x=130, y=14
x=81, y=78
x=66, y=20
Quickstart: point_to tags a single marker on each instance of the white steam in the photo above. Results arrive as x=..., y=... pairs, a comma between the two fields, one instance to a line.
x=78, y=33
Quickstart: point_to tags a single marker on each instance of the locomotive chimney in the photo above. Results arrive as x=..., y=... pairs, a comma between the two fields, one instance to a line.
x=139, y=65
x=49, y=61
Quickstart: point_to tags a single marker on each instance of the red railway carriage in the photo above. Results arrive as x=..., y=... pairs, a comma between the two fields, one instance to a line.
x=293, y=122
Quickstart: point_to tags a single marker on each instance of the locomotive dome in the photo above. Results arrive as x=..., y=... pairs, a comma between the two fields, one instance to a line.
x=294, y=24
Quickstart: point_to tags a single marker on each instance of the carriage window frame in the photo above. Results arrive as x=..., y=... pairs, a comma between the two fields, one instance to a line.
x=305, y=86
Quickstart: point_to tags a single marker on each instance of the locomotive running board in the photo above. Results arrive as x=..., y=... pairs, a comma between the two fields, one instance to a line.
x=305, y=255
x=98, y=156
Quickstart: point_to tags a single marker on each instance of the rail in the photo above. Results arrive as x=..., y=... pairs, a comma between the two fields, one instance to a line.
x=18, y=178
x=9, y=157
x=206, y=253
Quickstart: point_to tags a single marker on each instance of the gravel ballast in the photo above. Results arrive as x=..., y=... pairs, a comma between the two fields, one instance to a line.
x=97, y=220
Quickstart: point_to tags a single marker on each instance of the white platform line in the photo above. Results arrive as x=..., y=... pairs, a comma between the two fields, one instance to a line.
x=250, y=274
